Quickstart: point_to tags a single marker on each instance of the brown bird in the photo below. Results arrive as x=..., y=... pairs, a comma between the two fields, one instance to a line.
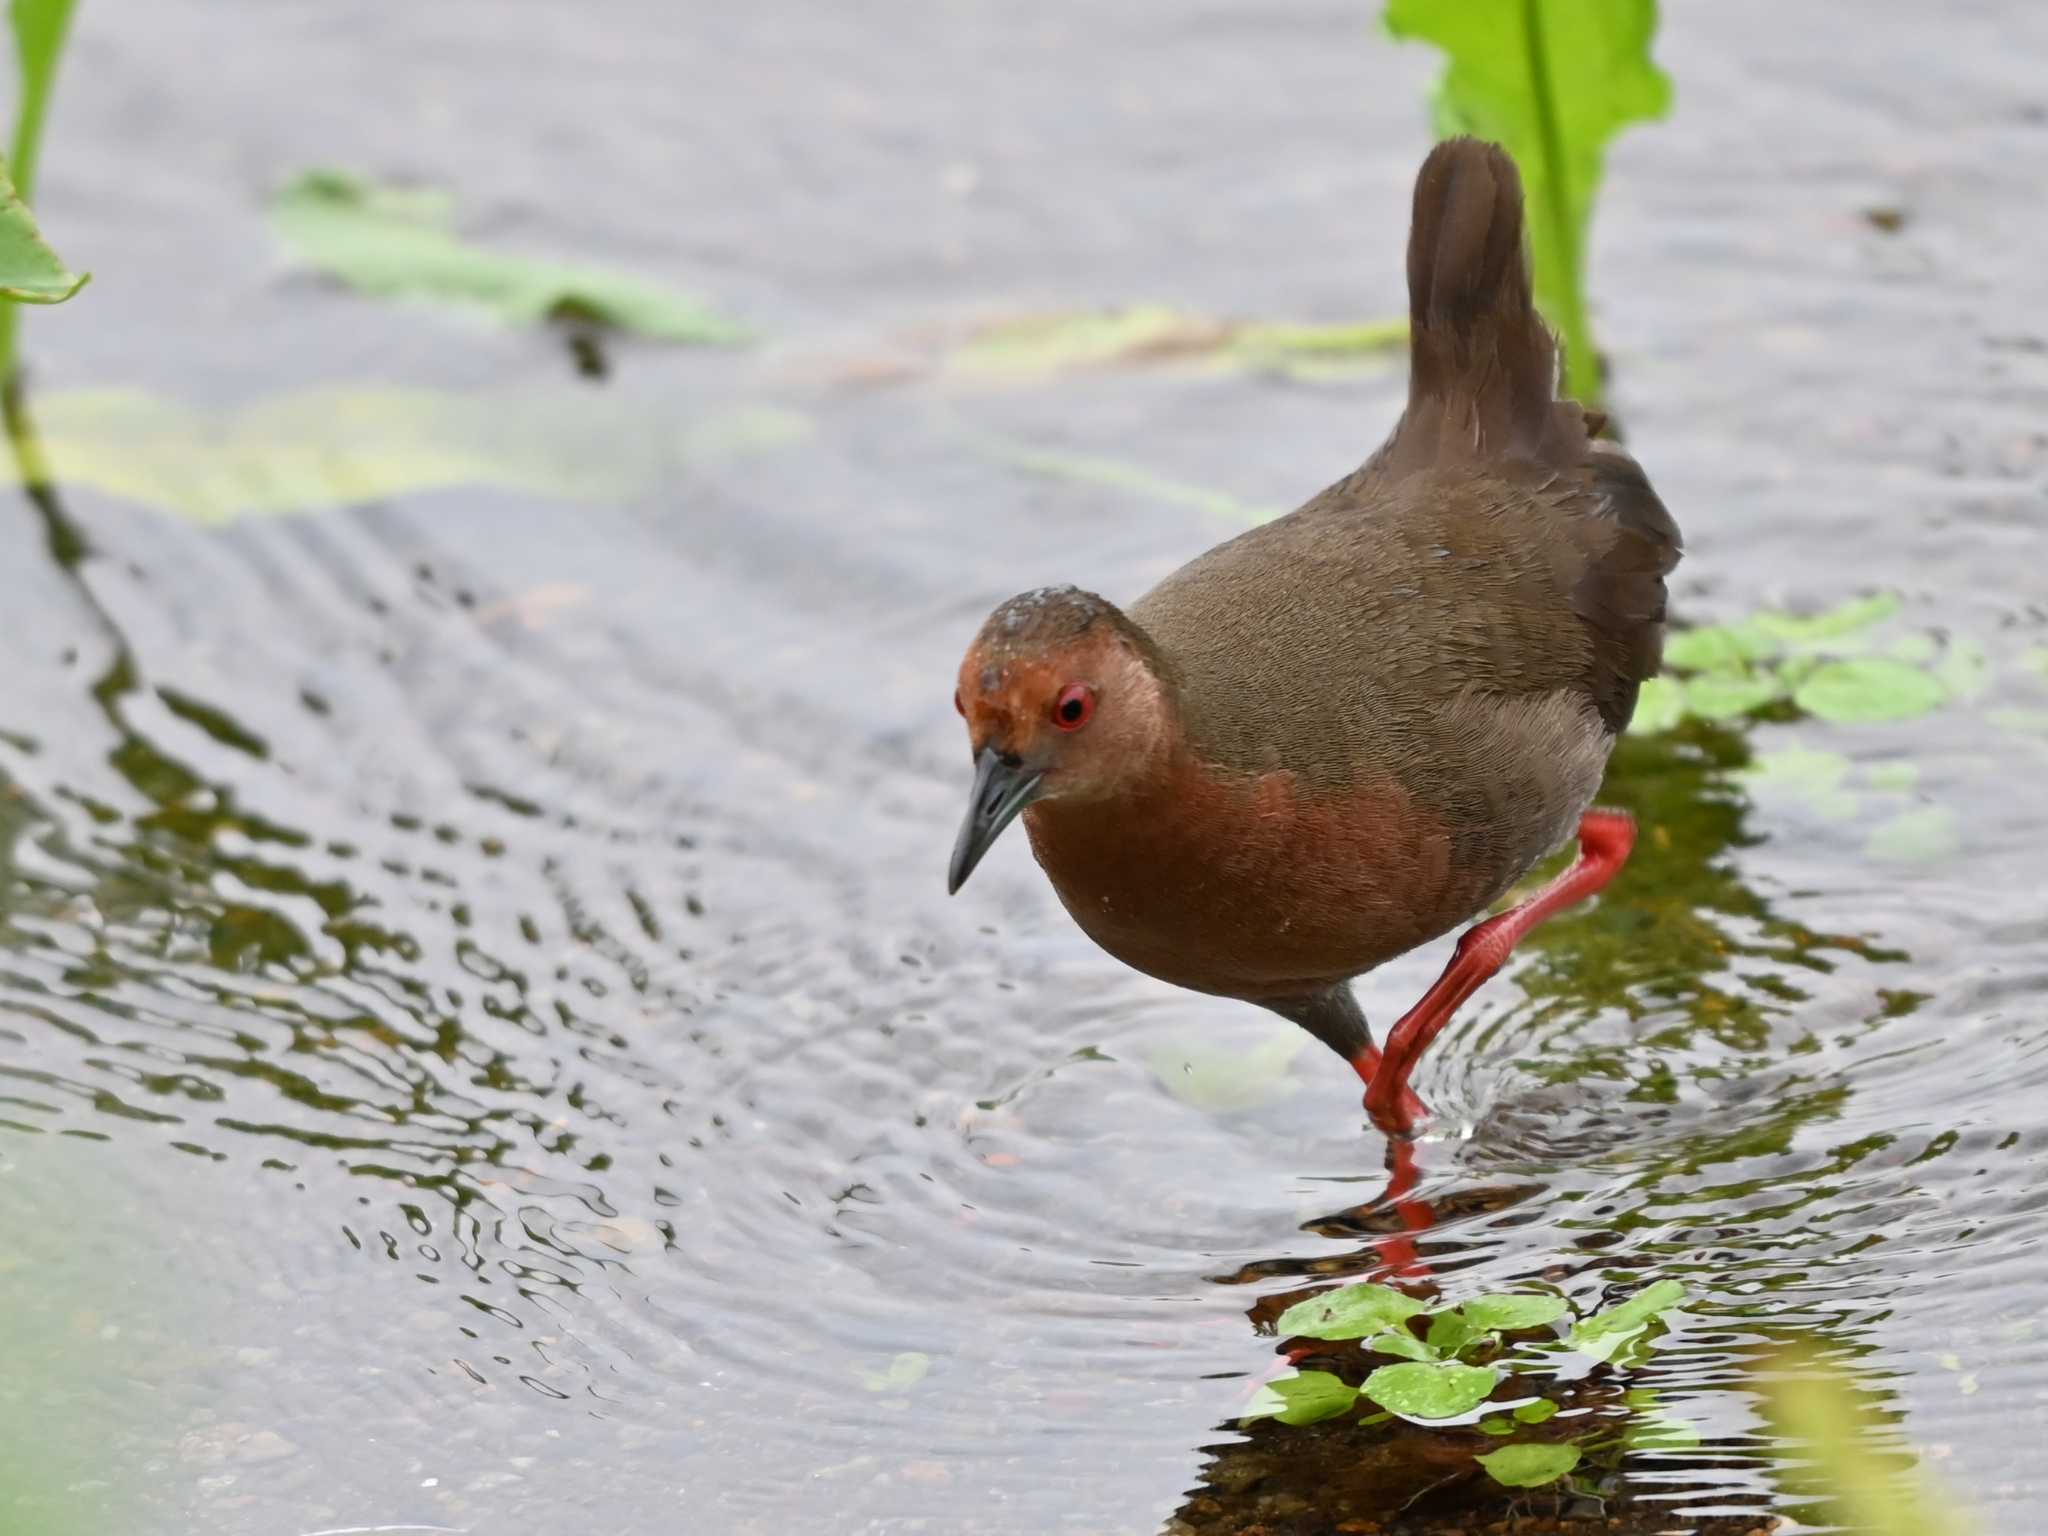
x=1348, y=731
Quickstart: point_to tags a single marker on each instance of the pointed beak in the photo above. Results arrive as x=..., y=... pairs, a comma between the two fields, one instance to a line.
x=1003, y=786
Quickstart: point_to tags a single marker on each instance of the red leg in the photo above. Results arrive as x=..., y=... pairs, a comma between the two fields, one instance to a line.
x=1605, y=838
x=1367, y=1065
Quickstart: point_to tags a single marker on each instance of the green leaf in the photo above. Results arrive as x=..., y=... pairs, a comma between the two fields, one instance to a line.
x=1529, y=1466
x=1437, y=1391
x=1495, y=1425
x=1303, y=1398
x=1509, y=1313
x=1799, y=630
x=1660, y=705
x=1604, y=1333
x=1868, y=689
x=1452, y=1333
x=1715, y=647
x=1351, y=1312
x=1537, y=1412
x=1400, y=1343
x=395, y=243
x=902, y=1372
x=1724, y=695
x=1553, y=81
x=30, y=272
x=1965, y=671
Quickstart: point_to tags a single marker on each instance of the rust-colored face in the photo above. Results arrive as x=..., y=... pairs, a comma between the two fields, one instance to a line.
x=1058, y=703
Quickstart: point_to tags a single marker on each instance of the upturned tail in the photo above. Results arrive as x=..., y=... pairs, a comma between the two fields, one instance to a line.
x=1482, y=364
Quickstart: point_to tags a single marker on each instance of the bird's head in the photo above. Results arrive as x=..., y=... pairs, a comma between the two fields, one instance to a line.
x=1064, y=700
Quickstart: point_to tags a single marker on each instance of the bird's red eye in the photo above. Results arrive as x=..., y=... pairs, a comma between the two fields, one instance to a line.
x=1070, y=711
x=959, y=705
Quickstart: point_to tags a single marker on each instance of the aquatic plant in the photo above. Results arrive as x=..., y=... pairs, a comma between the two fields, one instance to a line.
x=1446, y=1362
x=30, y=271
x=1553, y=81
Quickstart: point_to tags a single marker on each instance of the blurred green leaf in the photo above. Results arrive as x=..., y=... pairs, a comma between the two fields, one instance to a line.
x=1529, y=1466
x=1441, y=1390
x=1350, y=1312
x=1225, y=1081
x=1868, y=689
x=1724, y=695
x=1660, y=705
x=1918, y=836
x=900, y=1374
x=395, y=243
x=1715, y=647
x=1032, y=345
x=1795, y=630
x=1537, y=1412
x=30, y=272
x=1553, y=81
x=1304, y=1398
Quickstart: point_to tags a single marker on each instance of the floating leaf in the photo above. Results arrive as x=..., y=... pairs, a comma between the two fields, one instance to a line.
x=1351, y=1312
x=1724, y=695
x=1442, y=1390
x=1918, y=836
x=1509, y=1313
x=1303, y=1398
x=1816, y=777
x=1493, y=1424
x=1660, y=705
x=1965, y=671
x=902, y=1372
x=1452, y=1333
x=30, y=272
x=1715, y=647
x=396, y=243
x=1553, y=80
x=1529, y=1466
x=1403, y=1344
x=344, y=447
x=1537, y=1412
x=1603, y=1334
x=1868, y=689
x=1832, y=624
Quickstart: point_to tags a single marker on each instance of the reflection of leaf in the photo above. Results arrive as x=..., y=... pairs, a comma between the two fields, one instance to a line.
x=30, y=272
x=1653, y=1427
x=1604, y=1334
x=1841, y=1454
x=902, y=1372
x=394, y=243
x=1350, y=1312
x=1441, y=1390
x=1224, y=1081
x=1122, y=476
x=1039, y=344
x=1866, y=689
x=343, y=447
x=1917, y=836
x=1304, y=1398
x=1965, y=671
x=1552, y=80
x=1529, y=1466
x=1816, y=777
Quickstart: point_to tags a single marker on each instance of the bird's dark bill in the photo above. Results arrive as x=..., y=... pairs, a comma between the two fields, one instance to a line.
x=1003, y=786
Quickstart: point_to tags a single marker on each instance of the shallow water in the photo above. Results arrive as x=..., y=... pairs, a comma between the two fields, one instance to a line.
x=482, y=1037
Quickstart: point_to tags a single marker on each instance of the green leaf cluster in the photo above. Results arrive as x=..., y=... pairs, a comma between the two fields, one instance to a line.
x=1447, y=1369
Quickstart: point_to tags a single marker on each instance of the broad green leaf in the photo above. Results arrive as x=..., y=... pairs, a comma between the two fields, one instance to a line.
x=1918, y=836
x=1724, y=695
x=396, y=243
x=1400, y=1343
x=1715, y=647
x=1867, y=689
x=1660, y=705
x=1451, y=1333
x=1493, y=1424
x=1529, y=1466
x=1602, y=1334
x=343, y=447
x=1537, y=1412
x=1351, y=1312
x=1303, y=1398
x=1553, y=81
x=1443, y=1390
x=1509, y=1313
x=900, y=1374
x=1228, y=1081
x=30, y=272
